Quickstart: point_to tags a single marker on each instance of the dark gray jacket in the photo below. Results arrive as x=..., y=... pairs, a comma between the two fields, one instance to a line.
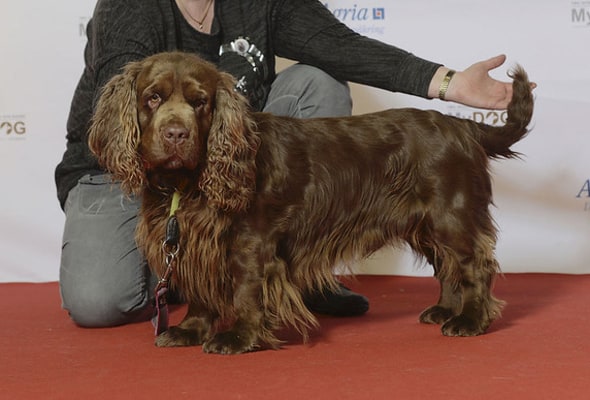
x=121, y=31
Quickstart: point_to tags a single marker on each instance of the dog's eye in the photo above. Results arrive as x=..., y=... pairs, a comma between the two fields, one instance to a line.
x=154, y=100
x=199, y=102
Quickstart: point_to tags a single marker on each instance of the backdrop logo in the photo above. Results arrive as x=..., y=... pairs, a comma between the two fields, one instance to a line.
x=580, y=13
x=378, y=13
x=364, y=19
x=13, y=127
x=584, y=193
x=489, y=117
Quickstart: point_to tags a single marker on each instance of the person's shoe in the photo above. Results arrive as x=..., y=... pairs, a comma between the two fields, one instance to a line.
x=342, y=302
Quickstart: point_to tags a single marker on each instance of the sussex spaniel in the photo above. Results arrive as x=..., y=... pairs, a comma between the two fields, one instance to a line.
x=268, y=204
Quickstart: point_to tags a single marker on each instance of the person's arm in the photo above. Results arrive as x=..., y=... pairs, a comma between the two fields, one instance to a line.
x=306, y=31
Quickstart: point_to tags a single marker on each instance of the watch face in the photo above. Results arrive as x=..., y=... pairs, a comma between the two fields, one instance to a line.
x=241, y=46
x=246, y=62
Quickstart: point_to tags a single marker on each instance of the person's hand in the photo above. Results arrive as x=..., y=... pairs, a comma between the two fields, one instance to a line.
x=474, y=86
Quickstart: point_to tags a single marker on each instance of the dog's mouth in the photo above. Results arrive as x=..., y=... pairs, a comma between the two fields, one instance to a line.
x=177, y=162
x=170, y=163
x=168, y=180
x=170, y=157
x=171, y=169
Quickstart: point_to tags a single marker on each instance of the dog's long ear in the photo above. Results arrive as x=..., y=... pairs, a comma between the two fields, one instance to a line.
x=229, y=178
x=114, y=133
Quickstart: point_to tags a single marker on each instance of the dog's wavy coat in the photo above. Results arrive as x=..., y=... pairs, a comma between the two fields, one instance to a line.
x=270, y=204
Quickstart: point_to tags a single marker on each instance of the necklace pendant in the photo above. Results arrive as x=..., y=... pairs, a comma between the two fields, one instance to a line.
x=199, y=24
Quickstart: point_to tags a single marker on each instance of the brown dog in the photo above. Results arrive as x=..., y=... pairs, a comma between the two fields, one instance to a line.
x=268, y=205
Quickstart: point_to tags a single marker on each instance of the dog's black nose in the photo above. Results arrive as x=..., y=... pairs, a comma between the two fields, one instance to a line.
x=175, y=134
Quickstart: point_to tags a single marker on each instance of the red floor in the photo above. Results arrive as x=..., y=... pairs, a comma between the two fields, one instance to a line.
x=540, y=349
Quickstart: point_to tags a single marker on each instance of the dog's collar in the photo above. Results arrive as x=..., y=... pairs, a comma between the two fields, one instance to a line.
x=175, y=203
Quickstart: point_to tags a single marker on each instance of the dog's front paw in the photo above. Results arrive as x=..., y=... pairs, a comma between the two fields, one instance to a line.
x=463, y=325
x=230, y=342
x=435, y=315
x=177, y=337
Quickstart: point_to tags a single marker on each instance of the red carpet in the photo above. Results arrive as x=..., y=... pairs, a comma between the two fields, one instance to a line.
x=540, y=349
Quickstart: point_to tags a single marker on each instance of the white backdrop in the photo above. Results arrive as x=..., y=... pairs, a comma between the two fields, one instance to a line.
x=543, y=201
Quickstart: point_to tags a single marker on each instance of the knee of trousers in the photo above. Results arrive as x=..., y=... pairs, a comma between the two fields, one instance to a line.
x=104, y=280
x=94, y=308
x=318, y=93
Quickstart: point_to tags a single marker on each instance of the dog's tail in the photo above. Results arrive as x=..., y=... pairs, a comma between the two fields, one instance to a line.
x=497, y=140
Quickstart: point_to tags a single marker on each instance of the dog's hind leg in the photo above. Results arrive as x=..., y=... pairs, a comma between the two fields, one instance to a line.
x=448, y=305
x=466, y=273
x=458, y=229
x=449, y=301
x=479, y=306
x=460, y=246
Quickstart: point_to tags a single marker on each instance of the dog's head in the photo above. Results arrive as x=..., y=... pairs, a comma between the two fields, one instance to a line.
x=173, y=119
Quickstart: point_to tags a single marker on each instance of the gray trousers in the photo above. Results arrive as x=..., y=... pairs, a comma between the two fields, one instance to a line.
x=104, y=280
